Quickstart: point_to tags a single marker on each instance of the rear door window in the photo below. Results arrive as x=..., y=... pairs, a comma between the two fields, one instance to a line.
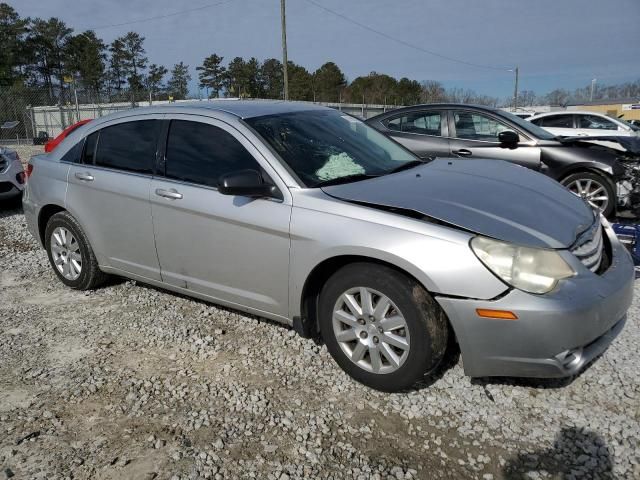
x=200, y=153
x=423, y=123
x=556, y=121
x=129, y=146
x=595, y=122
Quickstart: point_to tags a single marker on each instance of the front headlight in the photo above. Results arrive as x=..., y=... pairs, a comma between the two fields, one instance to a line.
x=533, y=270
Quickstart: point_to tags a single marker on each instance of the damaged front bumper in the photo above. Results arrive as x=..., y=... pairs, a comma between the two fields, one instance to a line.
x=556, y=334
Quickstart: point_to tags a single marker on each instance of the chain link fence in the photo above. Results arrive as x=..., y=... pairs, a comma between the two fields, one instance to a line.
x=31, y=116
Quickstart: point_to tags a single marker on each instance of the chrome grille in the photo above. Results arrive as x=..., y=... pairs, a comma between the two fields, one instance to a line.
x=588, y=248
x=3, y=163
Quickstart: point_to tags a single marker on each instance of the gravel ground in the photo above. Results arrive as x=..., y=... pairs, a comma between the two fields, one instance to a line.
x=25, y=152
x=130, y=381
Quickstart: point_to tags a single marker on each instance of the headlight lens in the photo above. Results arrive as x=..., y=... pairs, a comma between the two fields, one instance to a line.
x=533, y=270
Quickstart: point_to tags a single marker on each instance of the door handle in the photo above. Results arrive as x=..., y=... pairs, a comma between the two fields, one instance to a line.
x=172, y=193
x=463, y=152
x=86, y=176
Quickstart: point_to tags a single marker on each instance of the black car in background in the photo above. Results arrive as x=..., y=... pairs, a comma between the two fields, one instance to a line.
x=469, y=132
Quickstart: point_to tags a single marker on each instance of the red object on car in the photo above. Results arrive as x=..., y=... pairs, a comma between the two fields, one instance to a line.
x=52, y=144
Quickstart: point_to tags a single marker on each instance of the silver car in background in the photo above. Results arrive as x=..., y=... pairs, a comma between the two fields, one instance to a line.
x=12, y=175
x=304, y=215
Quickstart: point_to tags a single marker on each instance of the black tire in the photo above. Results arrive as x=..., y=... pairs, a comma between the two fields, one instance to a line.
x=90, y=274
x=601, y=180
x=425, y=320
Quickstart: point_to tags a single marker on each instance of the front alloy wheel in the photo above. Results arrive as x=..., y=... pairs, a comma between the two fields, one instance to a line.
x=593, y=189
x=381, y=326
x=371, y=330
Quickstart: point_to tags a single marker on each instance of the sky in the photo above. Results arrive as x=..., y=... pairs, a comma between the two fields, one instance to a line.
x=555, y=43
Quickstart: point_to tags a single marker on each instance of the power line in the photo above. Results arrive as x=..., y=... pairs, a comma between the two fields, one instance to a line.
x=159, y=17
x=405, y=43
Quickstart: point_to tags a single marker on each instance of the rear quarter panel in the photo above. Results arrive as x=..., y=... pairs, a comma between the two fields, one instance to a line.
x=46, y=186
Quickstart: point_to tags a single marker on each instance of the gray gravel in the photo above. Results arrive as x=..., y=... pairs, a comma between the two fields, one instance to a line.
x=25, y=152
x=133, y=382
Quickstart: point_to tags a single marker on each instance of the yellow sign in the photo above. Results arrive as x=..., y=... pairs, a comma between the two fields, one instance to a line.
x=67, y=79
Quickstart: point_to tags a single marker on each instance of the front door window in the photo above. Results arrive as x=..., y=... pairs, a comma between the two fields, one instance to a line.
x=475, y=126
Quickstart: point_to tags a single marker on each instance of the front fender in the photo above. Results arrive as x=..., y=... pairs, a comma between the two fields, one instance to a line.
x=560, y=162
x=438, y=257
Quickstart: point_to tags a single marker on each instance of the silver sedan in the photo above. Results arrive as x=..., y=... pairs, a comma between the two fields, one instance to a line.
x=309, y=217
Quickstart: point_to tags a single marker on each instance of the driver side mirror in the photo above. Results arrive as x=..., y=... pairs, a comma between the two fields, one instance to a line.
x=509, y=138
x=246, y=183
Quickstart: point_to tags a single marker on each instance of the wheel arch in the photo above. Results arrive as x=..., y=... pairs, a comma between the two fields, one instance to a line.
x=586, y=168
x=45, y=213
x=608, y=181
x=317, y=278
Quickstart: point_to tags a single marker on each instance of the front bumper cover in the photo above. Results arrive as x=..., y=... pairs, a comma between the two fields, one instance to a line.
x=556, y=334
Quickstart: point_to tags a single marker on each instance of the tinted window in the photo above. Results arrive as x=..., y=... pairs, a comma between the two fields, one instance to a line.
x=425, y=123
x=557, y=121
x=74, y=154
x=593, y=121
x=474, y=126
x=90, y=148
x=201, y=153
x=129, y=146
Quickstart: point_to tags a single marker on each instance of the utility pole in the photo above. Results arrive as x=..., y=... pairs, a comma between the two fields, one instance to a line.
x=75, y=94
x=515, y=92
x=593, y=87
x=284, y=49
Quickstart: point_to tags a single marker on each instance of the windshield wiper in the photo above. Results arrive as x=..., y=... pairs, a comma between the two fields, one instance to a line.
x=346, y=179
x=408, y=165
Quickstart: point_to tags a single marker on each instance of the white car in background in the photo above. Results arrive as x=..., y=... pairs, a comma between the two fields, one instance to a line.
x=583, y=123
x=12, y=176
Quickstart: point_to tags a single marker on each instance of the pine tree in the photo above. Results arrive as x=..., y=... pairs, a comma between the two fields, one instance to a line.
x=178, y=85
x=212, y=74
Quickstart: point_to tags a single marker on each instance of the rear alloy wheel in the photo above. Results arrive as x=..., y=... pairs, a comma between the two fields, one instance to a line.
x=65, y=251
x=381, y=326
x=594, y=189
x=70, y=254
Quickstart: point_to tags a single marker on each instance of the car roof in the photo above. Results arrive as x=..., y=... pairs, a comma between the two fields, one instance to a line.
x=572, y=112
x=421, y=106
x=76, y=125
x=239, y=108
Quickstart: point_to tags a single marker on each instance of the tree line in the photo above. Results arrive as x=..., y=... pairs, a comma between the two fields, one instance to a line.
x=49, y=55
x=46, y=54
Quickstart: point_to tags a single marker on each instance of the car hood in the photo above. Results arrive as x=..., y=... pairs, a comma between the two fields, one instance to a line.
x=630, y=144
x=488, y=197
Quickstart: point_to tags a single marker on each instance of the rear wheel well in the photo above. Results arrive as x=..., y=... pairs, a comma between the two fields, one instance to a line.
x=318, y=278
x=46, y=213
